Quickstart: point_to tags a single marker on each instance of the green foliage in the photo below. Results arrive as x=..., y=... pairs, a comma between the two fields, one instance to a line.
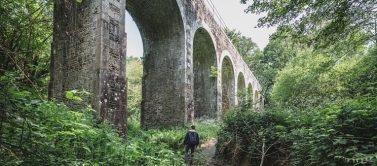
x=75, y=95
x=35, y=132
x=245, y=98
x=134, y=73
x=297, y=85
x=324, y=114
x=246, y=131
x=244, y=45
x=320, y=22
x=227, y=73
x=333, y=122
x=312, y=79
x=357, y=76
x=207, y=128
x=340, y=134
x=25, y=37
x=213, y=72
x=324, y=101
x=274, y=57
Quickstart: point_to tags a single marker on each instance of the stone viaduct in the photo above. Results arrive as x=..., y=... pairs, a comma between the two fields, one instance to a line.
x=190, y=66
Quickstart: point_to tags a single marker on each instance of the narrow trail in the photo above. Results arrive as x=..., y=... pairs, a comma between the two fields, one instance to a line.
x=208, y=148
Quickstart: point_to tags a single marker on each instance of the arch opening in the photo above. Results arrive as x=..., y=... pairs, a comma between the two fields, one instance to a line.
x=261, y=102
x=241, y=91
x=134, y=44
x=134, y=69
x=249, y=95
x=163, y=36
x=205, y=78
x=227, y=84
x=256, y=99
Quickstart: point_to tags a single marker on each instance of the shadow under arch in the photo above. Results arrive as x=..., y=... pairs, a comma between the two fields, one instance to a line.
x=162, y=31
x=227, y=84
x=249, y=95
x=205, y=78
x=241, y=92
x=256, y=99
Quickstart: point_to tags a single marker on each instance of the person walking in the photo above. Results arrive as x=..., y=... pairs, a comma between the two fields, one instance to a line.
x=191, y=141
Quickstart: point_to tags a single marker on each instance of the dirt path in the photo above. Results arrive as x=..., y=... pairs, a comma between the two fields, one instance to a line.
x=208, y=148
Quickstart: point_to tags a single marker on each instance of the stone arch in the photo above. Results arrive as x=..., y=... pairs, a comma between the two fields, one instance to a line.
x=249, y=96
x=261, y=102
x=205, y=75
x=227, y=84
x=241, y=94
x=250, y=89
x=256, y=99
x=162, y=31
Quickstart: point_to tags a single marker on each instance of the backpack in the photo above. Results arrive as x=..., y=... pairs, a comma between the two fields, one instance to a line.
x=192, y=140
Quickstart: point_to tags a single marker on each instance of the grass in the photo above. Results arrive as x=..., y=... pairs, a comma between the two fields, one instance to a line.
x=171, y=139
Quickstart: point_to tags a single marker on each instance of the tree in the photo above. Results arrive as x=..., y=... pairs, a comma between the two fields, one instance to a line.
x=274, y=57
x=244, y=45
x=25, y=37
x=298, y=85
x=266, y=64
x=353, y=77
x=322, y=22
x=134, y=73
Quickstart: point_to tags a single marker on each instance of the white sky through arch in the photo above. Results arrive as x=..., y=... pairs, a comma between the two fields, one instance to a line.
x=232, y=13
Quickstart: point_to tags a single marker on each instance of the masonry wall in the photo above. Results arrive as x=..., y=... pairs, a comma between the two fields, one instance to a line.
x=163, y=92
x=197, y=15
x=88, y=53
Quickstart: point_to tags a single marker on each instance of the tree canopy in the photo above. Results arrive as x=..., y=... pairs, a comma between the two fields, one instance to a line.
x=25, y=37
x=244, y=45
x=320, y=22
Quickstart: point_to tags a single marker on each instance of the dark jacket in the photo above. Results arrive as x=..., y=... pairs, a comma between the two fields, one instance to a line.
x=185, y=141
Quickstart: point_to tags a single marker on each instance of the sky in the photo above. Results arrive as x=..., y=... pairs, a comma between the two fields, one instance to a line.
x=231, y=12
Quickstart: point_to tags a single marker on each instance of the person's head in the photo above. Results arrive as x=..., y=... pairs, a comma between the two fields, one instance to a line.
x=193, y=127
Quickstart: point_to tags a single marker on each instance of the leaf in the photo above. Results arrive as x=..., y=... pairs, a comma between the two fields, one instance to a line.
x=340, y=141
x=76, y=98
x=35, y=101
x=87, y=149
x=3, y=78
x=69, y=94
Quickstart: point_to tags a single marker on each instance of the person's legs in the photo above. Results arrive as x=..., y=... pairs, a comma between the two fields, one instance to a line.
x=192, y=148
x=186, y=151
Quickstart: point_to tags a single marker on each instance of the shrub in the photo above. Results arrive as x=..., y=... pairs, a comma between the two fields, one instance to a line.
x=339, y=134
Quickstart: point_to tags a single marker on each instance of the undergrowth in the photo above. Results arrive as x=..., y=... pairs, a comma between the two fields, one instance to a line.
x=338, y=134
x=35, y=132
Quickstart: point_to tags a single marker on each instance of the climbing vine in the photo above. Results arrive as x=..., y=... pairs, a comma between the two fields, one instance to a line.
x=213, y=72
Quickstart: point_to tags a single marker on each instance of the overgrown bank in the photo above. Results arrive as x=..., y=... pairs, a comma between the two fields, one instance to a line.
x=37, y=132
x=319, y=114
x=337, y=135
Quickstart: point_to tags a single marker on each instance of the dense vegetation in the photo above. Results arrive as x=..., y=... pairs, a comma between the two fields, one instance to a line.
x=319, y=78
x=318, y=74
x=341, y=134
x=39, y=132
x=36, y=131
